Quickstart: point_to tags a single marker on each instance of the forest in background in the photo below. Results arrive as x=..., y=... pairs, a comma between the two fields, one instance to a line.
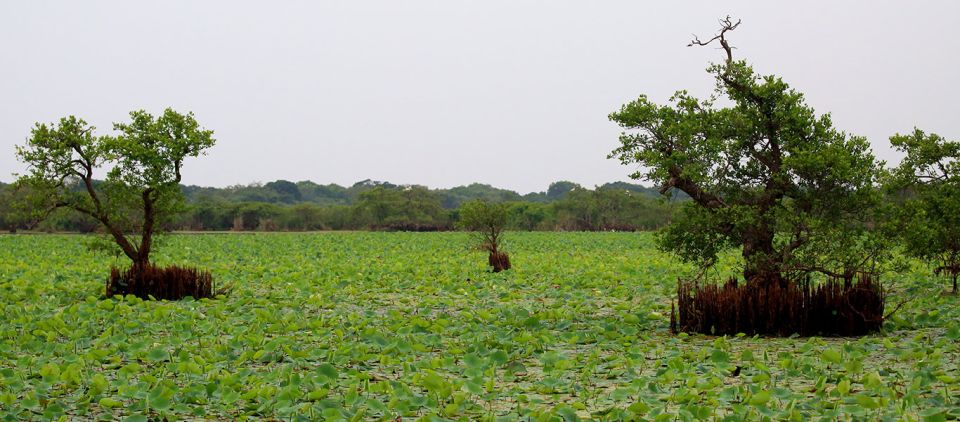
x=373, y=205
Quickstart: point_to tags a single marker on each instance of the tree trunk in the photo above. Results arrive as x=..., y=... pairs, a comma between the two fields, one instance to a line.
x=761, y=263
x=122, y=241
x=146, y=236
x=99, y=213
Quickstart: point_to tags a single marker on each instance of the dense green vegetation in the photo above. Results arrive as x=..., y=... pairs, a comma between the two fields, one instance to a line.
x=928, y=217
x=380, y=325
x=288, y=206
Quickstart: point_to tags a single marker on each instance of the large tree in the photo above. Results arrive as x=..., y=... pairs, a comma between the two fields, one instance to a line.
x=765, y=173
x=141, y=189
x=928, y=180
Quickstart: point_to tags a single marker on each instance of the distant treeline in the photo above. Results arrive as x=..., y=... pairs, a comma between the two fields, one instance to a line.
x=369, y=205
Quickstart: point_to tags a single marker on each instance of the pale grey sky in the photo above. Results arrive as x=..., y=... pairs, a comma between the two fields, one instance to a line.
x=443, y=93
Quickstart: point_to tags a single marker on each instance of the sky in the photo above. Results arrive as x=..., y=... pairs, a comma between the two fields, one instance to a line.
x=513, y=93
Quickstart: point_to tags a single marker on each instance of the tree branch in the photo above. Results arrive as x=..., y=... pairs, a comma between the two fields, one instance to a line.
x=691, y=188
x=726, y=25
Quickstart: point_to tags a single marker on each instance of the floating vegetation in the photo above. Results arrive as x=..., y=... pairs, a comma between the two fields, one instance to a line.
x=381, y=326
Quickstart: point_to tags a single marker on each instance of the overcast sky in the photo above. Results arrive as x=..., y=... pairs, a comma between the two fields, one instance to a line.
x=444, y=93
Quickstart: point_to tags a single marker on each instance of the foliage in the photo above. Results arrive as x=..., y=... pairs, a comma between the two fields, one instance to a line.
x=273, y=206
x=764, y=172
x=414, y=208
x=10, y=219
x=454, y=197
x=558, y=190
x=529, y=216
x=288, y=191
x=609, y=209
x=142, y=187
x=487, y=223
x=929, y=180
x=378, y=326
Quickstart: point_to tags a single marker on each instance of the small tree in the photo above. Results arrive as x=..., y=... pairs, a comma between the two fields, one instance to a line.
x=141, y=190
x=929, y=180
x=487, y=221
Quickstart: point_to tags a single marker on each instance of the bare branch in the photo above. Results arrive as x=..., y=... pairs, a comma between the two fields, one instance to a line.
x=897, y=308
x=726, y=24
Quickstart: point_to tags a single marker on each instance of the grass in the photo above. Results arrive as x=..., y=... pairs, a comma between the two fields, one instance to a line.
x=379, y=325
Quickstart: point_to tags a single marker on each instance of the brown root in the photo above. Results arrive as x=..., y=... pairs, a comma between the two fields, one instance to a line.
x=827, y=309
x=499, y=261
x=161, y=283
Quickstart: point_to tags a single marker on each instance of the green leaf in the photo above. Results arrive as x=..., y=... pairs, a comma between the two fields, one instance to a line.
x=831, y=356
x=934, y=415
x=157, y=355
x=472, y=360
x=50, y=372
x=720, y=357
x=639, y=408
x=328, y=371
x=843, y=387
x=760, y=399
x=99, y=383
x=953, y=332
x=867, y=401
x=499, y=357
x=436, y=384
x=318, y=394
x=109, y=403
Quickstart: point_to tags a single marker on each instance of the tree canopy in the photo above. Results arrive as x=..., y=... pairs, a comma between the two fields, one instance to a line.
x=929, y=180
x=487, y=221
x=765, y=173
x=142, y=186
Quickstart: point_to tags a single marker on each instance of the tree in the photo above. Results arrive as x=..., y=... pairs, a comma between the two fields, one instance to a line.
x=7, y=217
x=577, y=211
x=255, y=216
x=304, y=217
x=527, y=215
x=765, y=173
x=409, y=208
x=488, y=221
x=453, y=197
x=929, y=179
x=141, y=190
x=288, y=191
x=557, y=190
